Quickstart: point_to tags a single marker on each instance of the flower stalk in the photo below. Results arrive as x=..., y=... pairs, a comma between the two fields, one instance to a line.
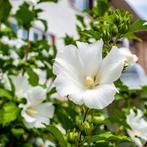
x=86, y=112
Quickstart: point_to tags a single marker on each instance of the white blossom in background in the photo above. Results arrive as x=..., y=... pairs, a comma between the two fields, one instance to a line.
x=130, y=58
x=41, y=74
x=32, y=2
x=18, y=43
x=138, y=127
x=35, y=112
x=20, y=82
x=41, y=143
x=85, y=77
x=15, y=57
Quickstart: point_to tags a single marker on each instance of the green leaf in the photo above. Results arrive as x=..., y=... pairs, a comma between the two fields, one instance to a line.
x=58, y=135
x=25, y=16
x=108, y=136
x=138, y=26
x=5, y=8
x=33, y=77
x=17, y=131
x=9, y=113
x=5, y=93
x=102, y=7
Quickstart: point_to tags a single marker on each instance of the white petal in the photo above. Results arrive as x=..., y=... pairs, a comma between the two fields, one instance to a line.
x=112, y=66
x=21, y=85
x=67, y=85
x=36, y=95
x=27, y=117
x=99, y=97
x=6, y=82
x=45, y=110
x=68, y=61
x=91, y=56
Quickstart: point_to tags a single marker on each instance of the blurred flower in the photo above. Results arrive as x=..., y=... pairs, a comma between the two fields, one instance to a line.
x=32, y=2
x=85, y=77
x=15, y=57
x=21, y=85
x=35, y=112
x=41, y=143
x=138, y=127
x=41, y=74
x=130, y=58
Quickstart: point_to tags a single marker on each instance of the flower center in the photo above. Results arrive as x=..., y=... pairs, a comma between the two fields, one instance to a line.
x=31, y=111
x=89, y=82
x=137, y=133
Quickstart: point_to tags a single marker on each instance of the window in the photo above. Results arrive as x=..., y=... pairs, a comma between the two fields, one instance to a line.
x=36, y=36
x=43, y=37
x=83, y=4
x=14, y=27
x=24, y=34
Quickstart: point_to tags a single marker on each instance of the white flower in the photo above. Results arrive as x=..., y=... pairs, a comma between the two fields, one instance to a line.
x=32, y=2
x=21, y=85
x=40, y=143
x=129, y=57
x=35, y=112
x=138, y=127
x=15, y=57
x=86, y=77
x=41, y=74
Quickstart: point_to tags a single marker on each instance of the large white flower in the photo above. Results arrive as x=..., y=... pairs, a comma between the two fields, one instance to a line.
x=86, y=77
x=138, y=127
x=35, y=112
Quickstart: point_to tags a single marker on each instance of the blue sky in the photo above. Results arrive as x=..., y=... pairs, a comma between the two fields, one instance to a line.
x=140, y=6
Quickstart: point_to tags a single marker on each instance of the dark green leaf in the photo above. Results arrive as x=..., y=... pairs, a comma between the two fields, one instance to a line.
x=58, y=135
x=5, y=8
x=33, y=77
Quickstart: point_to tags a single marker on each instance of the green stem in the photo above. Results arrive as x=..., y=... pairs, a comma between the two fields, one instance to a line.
x=86, y=112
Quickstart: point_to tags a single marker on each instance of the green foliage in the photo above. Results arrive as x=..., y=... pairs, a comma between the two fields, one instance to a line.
x=8, y=113
x=25, y=16
x=33, y=77
x=58, y=135
x=107, y=136
x=5, y=8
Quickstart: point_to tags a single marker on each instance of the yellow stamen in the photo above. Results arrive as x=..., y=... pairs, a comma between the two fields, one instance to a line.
x=89, y=82
x=137, y=134
x=31, y=111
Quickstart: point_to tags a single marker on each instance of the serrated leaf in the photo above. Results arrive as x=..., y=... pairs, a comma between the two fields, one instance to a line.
x=58, y=135
x=107, y=136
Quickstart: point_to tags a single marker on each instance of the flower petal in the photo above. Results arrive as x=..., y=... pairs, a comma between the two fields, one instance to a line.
x=68, y=85
x=45, y=110
x=36, y=95
x=112, y=66
x=99, y=97
x=21, y=85
x=27, y=117
x=67, y=60
x=91, y=56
